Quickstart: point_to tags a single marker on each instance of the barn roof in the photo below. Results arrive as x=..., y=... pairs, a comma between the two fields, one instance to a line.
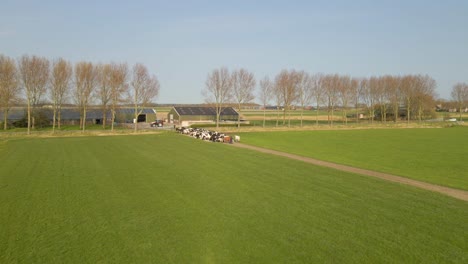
x=203, y=111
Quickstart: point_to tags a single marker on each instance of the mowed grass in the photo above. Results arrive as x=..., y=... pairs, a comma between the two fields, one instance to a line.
x=436, y=155
x=168, y=198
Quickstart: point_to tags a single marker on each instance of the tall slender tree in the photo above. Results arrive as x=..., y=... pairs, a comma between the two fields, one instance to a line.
x=9, y=88
x=34, y=74
x=118, y=87
x=354, y=96
x=394, y=95
x=62, y=72
x=104, y=91
x=381, y=90
x=424, y=95
x=243, y=85
x=345, y=95
x=286, y=83
x=318, y=93
x=408, y=84
x=278, y=100
x=265, y=94
x=85, y=83
x=218, y=90
x=145, y=88
x=304, y=91
x=331, y=83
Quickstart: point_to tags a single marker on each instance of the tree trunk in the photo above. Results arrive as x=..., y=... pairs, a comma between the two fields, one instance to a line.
x=284, y=116
x=408, y=114
x=316, y=115
x=112, y=119
x=53, y=119
x=238, y=117
x=5, y=119
x=104, y=116
x=420, y=112
x=357, y=113
x=59, y=118
x=302, y=114
x=460, y=110
x=135, y=121
x=345, y=117
x=29, y=118
x=264, y=115
x=277, y=116
x=84, y=118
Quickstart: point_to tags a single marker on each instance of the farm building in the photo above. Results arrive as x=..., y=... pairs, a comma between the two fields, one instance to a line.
x=199, y=114
x=72, y=115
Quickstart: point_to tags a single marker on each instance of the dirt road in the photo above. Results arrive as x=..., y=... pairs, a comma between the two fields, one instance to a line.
x=459, y=194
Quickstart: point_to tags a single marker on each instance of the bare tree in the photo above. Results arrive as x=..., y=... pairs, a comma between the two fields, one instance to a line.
x=9, y=88
x=424, y=95
x=286, y=83
x=344, y=95
x=118, y=87
x=62, y=72
x=279, y=100
x=408, y=84
x=243, y=85
x=265, y=94
x=370, y=95
x=85, y=83
x=394, y=94
x=218, y=90
x=145, y=88
x=460, y=96
x=354, y=95
x=34, y=73
x=381, y=96
x=104, y=91
x=305, y=87
x=318, y=92
x=331, y=83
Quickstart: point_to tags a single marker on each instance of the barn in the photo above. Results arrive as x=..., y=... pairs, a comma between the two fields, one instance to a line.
x=199, y=114
x=93, y=115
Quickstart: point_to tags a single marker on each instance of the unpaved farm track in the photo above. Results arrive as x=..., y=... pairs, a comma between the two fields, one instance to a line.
x=459, y=194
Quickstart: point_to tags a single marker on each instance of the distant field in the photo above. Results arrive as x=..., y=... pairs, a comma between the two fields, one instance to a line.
x=250, y=114
x=294, y=113
x=168, y=198
x=432, y=155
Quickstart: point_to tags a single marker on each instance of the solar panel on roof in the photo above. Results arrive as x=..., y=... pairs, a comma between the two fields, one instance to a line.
x=204, y=111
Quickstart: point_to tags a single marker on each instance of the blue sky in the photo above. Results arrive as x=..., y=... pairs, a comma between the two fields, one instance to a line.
x=182, y=41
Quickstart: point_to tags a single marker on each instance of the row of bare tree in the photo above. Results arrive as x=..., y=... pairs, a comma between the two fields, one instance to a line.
x=223, y=87
x=383, y=94
x=31, y=78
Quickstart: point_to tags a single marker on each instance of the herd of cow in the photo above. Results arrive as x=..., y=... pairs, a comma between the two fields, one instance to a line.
x=205, y=134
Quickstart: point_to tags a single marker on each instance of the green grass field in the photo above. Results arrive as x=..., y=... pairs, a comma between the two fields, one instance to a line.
x=168, y=198
x=436, y=155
